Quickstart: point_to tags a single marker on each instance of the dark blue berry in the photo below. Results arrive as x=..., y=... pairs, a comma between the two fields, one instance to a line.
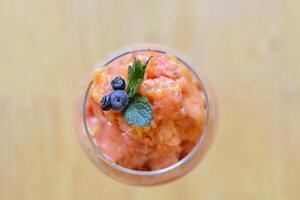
x=105, y=102
x=118, y=83
x=118, y=100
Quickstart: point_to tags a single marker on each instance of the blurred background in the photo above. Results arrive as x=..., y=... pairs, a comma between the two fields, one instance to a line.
x=249, y=49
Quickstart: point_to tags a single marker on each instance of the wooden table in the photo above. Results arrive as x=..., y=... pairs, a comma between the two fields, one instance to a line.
x=250, y=50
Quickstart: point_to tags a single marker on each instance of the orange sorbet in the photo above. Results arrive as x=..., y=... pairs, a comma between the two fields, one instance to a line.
x=179, y=113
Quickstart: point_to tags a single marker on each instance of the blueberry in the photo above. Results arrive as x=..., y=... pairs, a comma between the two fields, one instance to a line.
x=118, y=83
x=118, y=100
x=105, y=102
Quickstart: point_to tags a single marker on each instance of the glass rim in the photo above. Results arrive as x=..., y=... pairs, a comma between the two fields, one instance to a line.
x=195, y=149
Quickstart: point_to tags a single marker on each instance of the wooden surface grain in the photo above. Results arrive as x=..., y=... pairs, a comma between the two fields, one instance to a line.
x=249, y=49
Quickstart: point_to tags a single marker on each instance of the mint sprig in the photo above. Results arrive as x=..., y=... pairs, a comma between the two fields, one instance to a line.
x=136, y=73
x=139, y=111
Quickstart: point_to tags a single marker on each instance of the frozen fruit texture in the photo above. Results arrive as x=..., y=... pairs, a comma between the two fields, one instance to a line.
x=179, y=114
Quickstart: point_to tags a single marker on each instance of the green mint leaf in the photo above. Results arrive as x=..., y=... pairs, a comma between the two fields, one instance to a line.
x=136, y=73
x=138, y=112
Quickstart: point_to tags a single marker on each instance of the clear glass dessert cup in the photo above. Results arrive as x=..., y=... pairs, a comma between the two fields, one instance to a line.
x=143, y=178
